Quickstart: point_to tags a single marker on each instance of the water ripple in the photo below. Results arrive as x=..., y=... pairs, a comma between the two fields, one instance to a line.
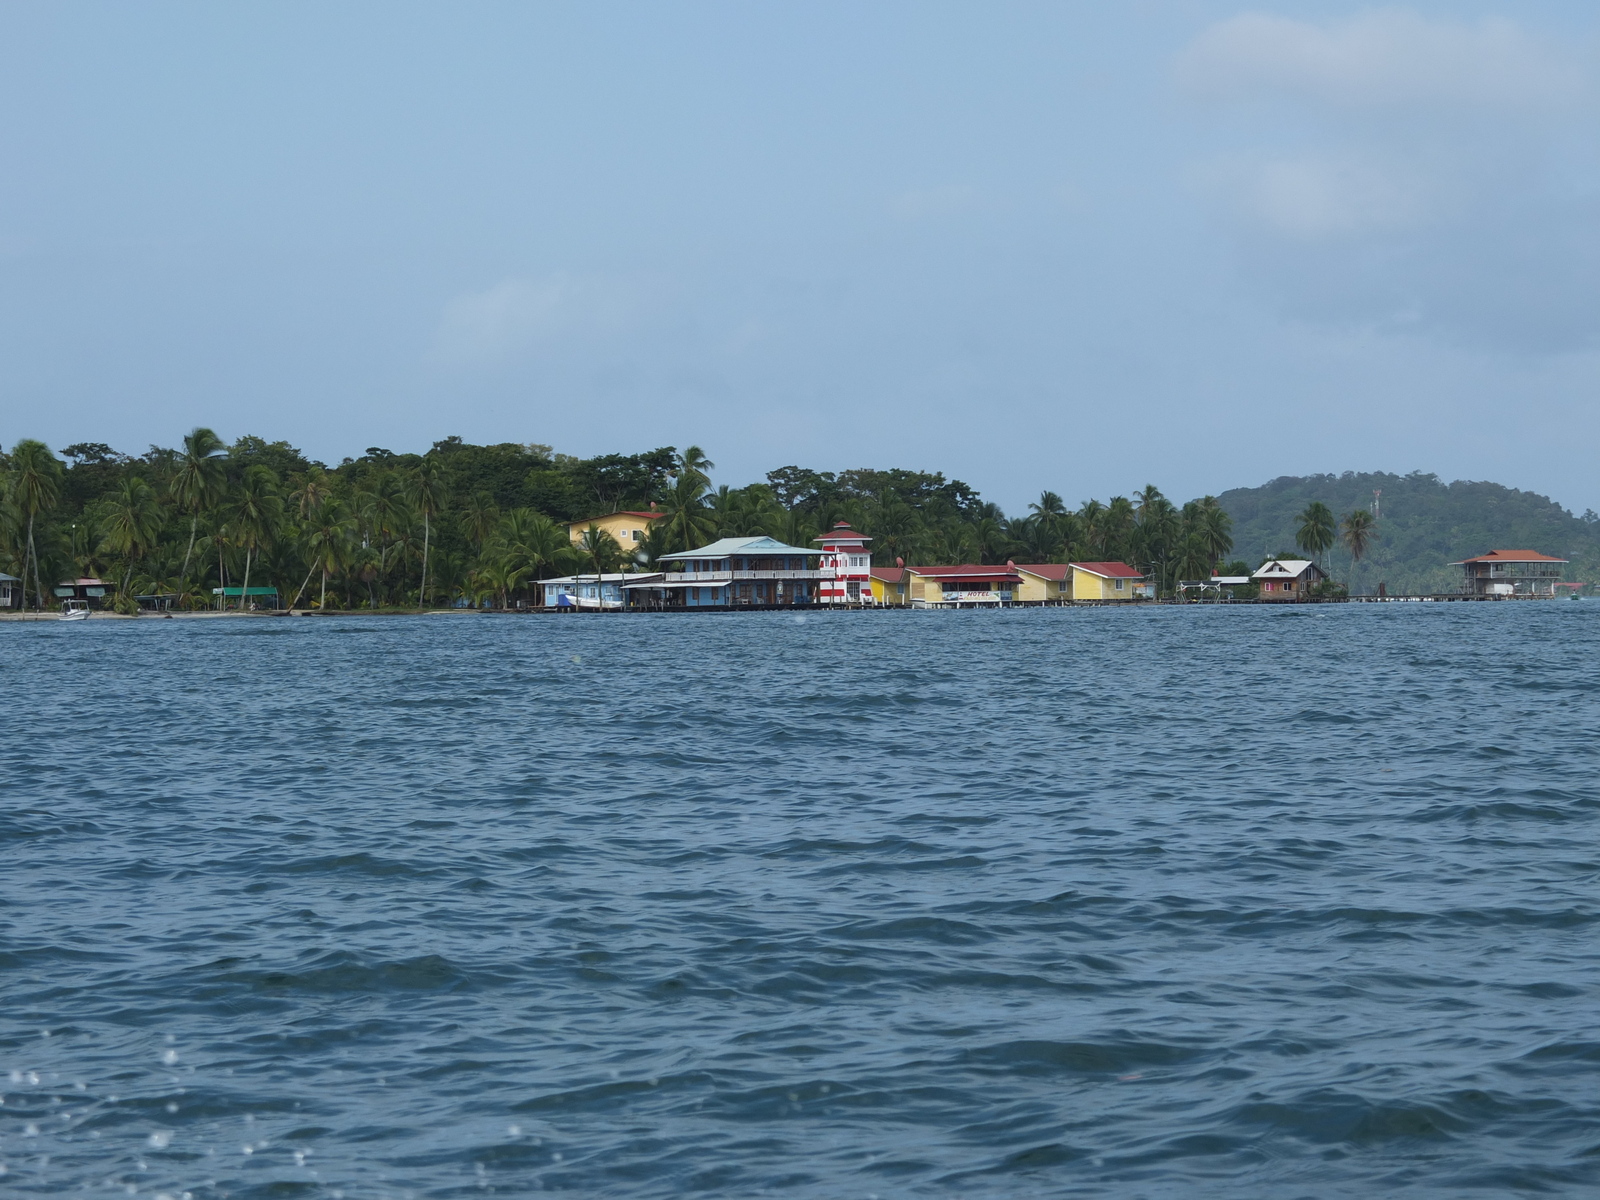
x=1160, y=903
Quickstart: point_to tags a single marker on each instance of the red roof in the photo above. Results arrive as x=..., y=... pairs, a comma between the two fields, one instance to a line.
x=1052, y=571
x=842, y=533
x=1509, y=556
x=965, y=571
x=889, y=574
x=1110, y=570
x=643, y=516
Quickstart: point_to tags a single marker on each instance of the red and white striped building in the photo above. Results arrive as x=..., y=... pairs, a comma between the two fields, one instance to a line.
x=844, y=552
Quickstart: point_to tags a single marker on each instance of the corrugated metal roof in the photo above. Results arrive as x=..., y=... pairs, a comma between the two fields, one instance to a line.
x=1108, y=570
x=728, y=547
x=1509, y=556
x=1055, y=572
x=1282, y=568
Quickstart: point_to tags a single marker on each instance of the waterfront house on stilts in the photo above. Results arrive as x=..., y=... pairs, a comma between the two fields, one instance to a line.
x=735, y=571
x=844, y=552
x=1511, y=573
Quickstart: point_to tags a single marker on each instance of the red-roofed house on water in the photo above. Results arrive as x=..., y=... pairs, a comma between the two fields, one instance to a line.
x=844, y=552
x=1109, y=581
x=889, y=585
x=1044, y=583
x=1511, y=573
x=971, y=585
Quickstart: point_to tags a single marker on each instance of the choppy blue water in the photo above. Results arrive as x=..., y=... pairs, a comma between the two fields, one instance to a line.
x=1164, y=903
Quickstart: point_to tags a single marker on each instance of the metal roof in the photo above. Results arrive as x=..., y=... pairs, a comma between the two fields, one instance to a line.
x=1108, y=570
x=1509, y=556
x=608, y=577
x=728, y=547
x=1283, y=568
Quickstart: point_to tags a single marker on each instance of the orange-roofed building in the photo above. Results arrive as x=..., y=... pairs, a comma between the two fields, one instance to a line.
x=1511, y=573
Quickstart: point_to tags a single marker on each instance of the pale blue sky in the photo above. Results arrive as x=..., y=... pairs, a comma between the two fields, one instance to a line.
x=1075, y=246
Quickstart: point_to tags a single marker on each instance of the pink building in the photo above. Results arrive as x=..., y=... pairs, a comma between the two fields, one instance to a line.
x=844, y=552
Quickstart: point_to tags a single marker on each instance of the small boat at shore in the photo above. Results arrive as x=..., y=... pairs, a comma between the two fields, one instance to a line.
x=75, y=610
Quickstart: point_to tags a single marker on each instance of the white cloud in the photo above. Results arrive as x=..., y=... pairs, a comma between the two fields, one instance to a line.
x=1377, y=59
x=516, y=316
x=1326, y=194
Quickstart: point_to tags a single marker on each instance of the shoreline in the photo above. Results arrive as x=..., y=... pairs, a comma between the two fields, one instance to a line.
x=99, y=615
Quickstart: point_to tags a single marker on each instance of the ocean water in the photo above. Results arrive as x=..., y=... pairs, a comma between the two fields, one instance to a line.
x=1227, y=902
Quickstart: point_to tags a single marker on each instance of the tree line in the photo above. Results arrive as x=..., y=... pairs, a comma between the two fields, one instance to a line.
x=481, y=525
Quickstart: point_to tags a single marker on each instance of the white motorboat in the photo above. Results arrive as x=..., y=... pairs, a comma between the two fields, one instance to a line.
x=75, y=610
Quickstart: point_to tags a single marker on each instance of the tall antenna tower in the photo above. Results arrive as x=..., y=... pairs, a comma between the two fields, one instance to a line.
x=1376, y=492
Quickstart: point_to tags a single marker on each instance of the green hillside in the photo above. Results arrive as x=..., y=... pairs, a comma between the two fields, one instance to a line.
x=1424, y=524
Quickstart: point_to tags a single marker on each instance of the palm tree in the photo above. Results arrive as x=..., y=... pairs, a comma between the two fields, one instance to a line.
x=132, y=524
x=257, y=513
x=1157, y=535
x=1194, y=556
x=1216, y=529
x=327, y=542
x=199, y=480
x=1116, y=529
x=695, y=462
x=687, y=522
x=35, y=488
x=479, y=518
x=427, y=490
x=604, y=553
x=1091, y=517
x=1317, y=529
x=1360, y=531
x=312, y=494
x=527, y=543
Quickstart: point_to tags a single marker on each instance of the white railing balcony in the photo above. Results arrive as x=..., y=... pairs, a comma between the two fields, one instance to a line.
x=702, y=578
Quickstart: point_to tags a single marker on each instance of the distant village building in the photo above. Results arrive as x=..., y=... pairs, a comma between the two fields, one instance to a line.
x=11, y=591
x=1511, y=573
x=586, y=591
x=1043, y=582
x=1287, y=578
x=93, y=591
x=1109, y=581
x=628, y=528
x=889, y=585
x=967, y=586
x=229, y=597
x=844, y=552
x=733, y=571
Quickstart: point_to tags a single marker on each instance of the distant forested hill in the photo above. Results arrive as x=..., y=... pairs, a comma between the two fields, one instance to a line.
x=1424, y=524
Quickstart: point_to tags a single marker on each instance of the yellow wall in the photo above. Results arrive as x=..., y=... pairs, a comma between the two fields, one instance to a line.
x=621, y=526
x=1095, y=587
x=888, y=593
x=1035, y=587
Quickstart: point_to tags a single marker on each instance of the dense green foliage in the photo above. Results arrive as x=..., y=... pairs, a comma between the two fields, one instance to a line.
x=481, y=524
x=1422, y=525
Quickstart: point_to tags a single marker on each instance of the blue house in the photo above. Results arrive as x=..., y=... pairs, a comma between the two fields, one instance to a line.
x=735, y=571
x=586, y=591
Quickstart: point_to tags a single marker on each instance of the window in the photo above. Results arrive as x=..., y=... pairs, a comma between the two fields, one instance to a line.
x=1120, y=582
